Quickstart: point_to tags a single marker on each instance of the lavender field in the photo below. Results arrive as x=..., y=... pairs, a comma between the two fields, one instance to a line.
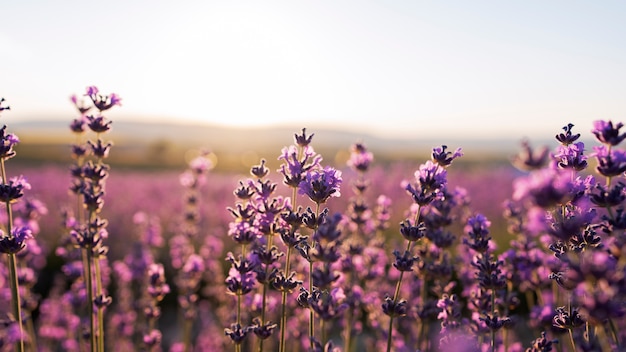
x=313, y=255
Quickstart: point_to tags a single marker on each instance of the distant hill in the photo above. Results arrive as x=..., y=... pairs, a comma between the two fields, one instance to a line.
x=162, y=144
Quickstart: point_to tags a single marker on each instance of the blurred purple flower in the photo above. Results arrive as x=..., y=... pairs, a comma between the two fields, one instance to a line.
x=528, y=160
x=102, y=102
x=7, y=142
x=16, y=241
x=98, y=124
x=545, y=188
x=611, y=161
x=80, y=106
x=444, y=158
x=608, y=134
x=571, y=156
x=360, y=158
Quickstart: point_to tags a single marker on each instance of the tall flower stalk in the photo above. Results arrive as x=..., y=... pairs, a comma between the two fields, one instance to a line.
x=298, y=159
x=429, y=185
x=13, y=239
x=89, y=235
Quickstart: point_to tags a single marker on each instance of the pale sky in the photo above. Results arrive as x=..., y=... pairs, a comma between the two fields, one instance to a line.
x=392, y=68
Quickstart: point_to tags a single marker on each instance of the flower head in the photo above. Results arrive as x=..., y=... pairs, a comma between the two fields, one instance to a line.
x=294, y=166
x=16, y=241
x=444, y=158
x=571, y=156
x=611, y=162
x=608, y=134
x=13, y=190
x=319, y=185
x=7, y=142
x=567, y=137
x=80, y=104
x=528, y=160
x=102, y=102
x=360, y=158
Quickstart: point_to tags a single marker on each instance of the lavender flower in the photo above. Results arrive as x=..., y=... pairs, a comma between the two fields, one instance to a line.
x=567, y=137
x=360, y=158
x=7, y=142
x=528, y=160
x=444, y=158
x=571, y=156
x=102, y=102
x=16, y=241
x=319, y=185
x=296, y=164
x=13, y=190
x=608, y=134
x=611, y=162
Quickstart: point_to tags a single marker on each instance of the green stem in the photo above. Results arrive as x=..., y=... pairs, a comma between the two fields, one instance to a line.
x=614, y=333
x=100, y=311
x=396, y=295
x=571, y=339
x=269, y=244
x=92, y=322
x=493, y=313
x=15, y=284
x=283, y=315
x=15, y=295
x=348, y=339
x=311, y=313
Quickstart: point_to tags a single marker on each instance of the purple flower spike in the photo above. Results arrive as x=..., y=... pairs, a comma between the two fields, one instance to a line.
x=567, y=137
x=16, y=242
x=7, y=142
x=608, y=134
x=360, y=158
x=13, y=190
x=101, y=102
x=528, y=160
x=571, y=156
x=302, y=140
x=611, y=162
x=319, y=185
x=80, y=104
x=98, y=124
x=443, y=158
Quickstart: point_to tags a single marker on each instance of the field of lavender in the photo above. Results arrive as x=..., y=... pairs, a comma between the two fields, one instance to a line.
x=312, y=256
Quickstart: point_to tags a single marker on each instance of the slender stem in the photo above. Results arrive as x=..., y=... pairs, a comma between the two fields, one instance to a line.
x=614, y=333
x=311, y=313
x=283, y=316
x=92, y=322
x=493, y=313
x=603, y=339
x=15, y=294
x=100, y=310
x=348, y=338
x=263, y=306
x=15, y=289
x=238, y=346
x=323, y=329
x=571, y=339
x=395, y=300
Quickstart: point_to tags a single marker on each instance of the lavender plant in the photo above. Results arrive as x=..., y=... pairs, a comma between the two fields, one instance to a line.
x=12, y=239
x=558, y=284
x=89, y=231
